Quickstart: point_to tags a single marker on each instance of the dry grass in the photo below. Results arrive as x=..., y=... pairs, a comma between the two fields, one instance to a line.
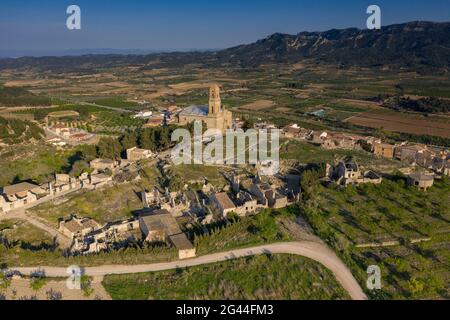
x=20, y=289
x=258, y=105
x=15, y=230
x=358, y=103
x=283, y=109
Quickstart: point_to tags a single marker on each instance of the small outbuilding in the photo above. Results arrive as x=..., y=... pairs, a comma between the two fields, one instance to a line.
x=420, y=180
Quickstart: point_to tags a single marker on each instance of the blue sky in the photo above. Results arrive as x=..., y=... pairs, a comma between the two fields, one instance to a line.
x=39, y=25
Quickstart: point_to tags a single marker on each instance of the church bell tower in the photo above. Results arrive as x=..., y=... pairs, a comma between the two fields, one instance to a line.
x=215, y=104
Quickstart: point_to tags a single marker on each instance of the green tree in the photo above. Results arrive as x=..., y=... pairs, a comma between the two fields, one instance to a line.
x=265, y=225
x=109, y=148
x=88, y=152
x=37, y=282
x=164, y=138
x=86, y=285
x=248, y=124
x=309, y=184
x=147, y=139
x=78, y=168
x=5, y=281
x=129, y=140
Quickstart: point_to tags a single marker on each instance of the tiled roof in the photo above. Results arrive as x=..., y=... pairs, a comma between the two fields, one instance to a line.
x=224, y=201
x=196, y=110
x=181, y=242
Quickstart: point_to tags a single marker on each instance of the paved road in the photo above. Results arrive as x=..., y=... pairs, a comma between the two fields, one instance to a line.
x=315, y=251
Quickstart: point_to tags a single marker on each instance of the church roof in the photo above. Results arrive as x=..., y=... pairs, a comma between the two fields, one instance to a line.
x=196, y=110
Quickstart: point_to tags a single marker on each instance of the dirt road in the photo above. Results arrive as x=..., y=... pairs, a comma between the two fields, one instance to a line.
x=315, y=251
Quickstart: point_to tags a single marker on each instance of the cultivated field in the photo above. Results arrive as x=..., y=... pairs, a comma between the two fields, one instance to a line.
x=404, y=122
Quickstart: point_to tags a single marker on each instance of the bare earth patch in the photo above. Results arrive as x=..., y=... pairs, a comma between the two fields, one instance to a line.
x=20, y=289
x=358, y=103
x=283, y=109
x=258, y=105
x=185, y=86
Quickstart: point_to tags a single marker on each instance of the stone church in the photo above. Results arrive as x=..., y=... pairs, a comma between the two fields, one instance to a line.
x=214, y=115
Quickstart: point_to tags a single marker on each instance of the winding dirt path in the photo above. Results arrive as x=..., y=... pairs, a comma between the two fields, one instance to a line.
x=316, y=251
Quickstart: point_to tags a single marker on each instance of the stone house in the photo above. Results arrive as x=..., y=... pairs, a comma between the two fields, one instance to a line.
x=319, y=137
x=161, y=226
x=185, y=248
x=408, y=152
x=421, y=181
x=78, y=227
x=175, y=202
x=18, y=195
x=348, y=172
x=123, y=226
x=331, y=141
x=102, y=164
x=99, y=180
x=150, y=198
x=116, y=231
x=223, y=203
x=384, y=150
x=63, y=182
x=267, y=196
x=196, y=204
x=94, y=240
x=135, y=154
x=339, y=141
x=441, y=166
x=158, y=225
x=293, y=131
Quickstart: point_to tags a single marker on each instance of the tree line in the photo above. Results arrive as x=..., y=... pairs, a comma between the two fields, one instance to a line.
x=12, y=97
x=155, y=139
x=423, y=105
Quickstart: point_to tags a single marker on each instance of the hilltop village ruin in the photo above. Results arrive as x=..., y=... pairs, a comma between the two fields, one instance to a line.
x=245, y=193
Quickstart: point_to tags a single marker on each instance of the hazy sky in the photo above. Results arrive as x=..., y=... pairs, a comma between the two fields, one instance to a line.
x=40, y=25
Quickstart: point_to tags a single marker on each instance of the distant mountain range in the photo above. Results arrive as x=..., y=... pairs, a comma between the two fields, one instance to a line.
x=81, y=52
x=423, y=45
x=74, y=52
x=406, y=45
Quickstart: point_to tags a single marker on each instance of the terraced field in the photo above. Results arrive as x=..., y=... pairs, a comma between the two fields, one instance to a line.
x=404, y=122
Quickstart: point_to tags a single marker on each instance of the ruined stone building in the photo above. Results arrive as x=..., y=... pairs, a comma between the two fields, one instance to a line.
x=348, y=172
x=161, y=226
